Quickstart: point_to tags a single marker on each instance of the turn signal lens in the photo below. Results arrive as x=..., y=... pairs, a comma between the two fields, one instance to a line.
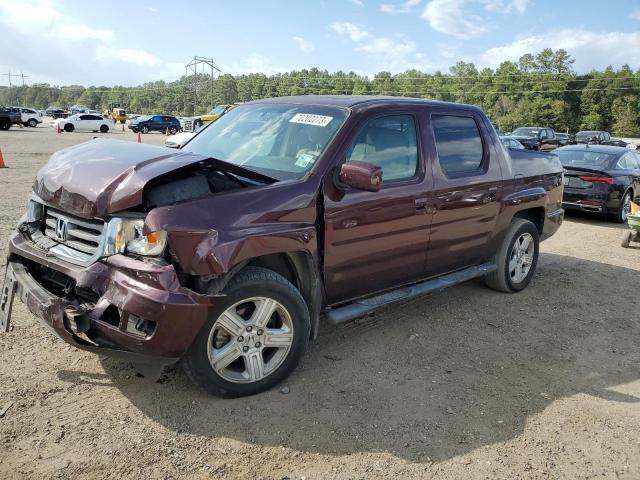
x=153, y=243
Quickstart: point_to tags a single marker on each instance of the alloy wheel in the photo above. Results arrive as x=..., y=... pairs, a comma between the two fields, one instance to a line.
x=250, y=340
x=521, y=257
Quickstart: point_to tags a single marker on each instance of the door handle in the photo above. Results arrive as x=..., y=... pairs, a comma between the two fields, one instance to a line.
x=421, y=205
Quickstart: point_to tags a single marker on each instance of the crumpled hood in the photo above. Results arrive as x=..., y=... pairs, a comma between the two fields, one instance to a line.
x=104, y=176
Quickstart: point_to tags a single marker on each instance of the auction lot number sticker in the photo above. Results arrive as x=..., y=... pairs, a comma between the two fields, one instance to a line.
x=311, y=119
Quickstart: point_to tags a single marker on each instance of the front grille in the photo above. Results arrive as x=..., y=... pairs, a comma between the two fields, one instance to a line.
x=188, y=126
x=77, y=234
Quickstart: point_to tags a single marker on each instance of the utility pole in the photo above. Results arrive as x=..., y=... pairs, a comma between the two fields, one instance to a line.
x=9, y=75
x=193, y=66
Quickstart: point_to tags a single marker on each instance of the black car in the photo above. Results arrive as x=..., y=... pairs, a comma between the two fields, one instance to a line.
x=598, y=137
x=536, y=138
x=565, y=139
x=155, y=123
x=55, y=112
x=600, y=178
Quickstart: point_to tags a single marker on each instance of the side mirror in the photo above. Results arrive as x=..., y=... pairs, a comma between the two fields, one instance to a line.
x=361, y=176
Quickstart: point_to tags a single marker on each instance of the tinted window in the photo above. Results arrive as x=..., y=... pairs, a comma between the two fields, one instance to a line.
x=587, y=158
x=389, y=142
x=458, y=143
x=85, y=117
x=629, y=161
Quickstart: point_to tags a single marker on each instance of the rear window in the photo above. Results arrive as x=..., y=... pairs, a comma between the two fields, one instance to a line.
x=458, y=144
x=585, y=158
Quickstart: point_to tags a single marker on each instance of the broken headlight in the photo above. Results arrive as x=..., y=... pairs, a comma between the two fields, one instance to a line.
x=130, y=238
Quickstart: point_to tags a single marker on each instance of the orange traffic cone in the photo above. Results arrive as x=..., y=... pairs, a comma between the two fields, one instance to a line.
x=58, y=128
x=166, y=132
x=139, y=139
x=2, y=165
x=123, y=127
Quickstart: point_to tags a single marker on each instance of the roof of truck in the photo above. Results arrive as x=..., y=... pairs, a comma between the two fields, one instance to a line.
x=350, y=101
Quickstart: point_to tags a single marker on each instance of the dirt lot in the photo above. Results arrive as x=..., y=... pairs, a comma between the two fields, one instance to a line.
x=466, y=383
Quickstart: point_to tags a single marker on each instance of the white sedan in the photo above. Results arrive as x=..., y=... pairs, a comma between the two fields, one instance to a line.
x=86, y=122
x=179, y=139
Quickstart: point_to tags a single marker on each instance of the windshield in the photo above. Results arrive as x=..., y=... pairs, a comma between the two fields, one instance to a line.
x=584, y=158
x=280, y=141
x=219, y=110
x=525, y=132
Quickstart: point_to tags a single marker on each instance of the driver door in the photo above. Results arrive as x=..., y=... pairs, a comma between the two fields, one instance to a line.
x=375, y=241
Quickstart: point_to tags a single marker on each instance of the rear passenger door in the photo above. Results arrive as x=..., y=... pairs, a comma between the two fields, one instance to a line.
x=465, y=165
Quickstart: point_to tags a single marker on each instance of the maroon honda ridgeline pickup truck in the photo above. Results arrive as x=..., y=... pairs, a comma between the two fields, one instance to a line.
x=227, y=253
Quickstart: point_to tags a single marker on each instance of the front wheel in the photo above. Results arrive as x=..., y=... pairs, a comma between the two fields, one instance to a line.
x=68, y=127
x=173, y=130
x=254, y=338
x=33, y=122
x=144, y=129
x=516, y=258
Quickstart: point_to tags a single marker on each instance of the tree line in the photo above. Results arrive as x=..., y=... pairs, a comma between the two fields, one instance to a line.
x=539, y=89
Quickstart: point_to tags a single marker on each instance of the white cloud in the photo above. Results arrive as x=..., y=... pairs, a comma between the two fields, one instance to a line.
x=452, y=17
x=71, y=31
x=635, y=15
x=359, y=3
x=395, y=54
x=590, y=49
x=404, y=7
x=354, y=32
x=506, y=6
x=23, y=16
x=128, y=55
x=467, y=19
x=304, y=45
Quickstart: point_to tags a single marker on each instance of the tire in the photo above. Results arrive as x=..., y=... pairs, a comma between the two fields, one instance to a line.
x=626, y=239
x=505, y=278
x=5, y=125
x=134, y=130
x=68, y=127
x=621, y=215
x=33, y=123
x=173, y=130
x=251, y=288
x=104, y=128
x=144, y=129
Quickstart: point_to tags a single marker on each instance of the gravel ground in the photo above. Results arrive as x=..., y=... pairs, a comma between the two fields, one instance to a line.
x=466, y=383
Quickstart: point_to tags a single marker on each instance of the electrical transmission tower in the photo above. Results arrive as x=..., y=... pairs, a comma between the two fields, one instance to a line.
x=18, y=75
x=192, y=66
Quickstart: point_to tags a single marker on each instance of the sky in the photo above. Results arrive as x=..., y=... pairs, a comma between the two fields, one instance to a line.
x=82, y=42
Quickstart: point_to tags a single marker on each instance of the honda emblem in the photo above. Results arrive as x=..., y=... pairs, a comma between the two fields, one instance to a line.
x=61, y=229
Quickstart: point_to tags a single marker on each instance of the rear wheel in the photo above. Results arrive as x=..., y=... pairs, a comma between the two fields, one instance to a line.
x=254, y=338
x=625, y=206
x=104, y=129
x=144, y=129
x=68, y=127
x=33, y=122
x=516, y=259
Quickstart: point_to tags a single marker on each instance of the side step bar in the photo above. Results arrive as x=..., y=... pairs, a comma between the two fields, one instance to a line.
x=360, y=308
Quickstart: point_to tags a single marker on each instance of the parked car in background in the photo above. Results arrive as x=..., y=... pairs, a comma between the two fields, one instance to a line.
x=9, y=116
x=511, y=143
x=56, y=112
x=194, y=123
x=29, y=116
x=155, y=123
x=565, y=139
x=600, y=178
x=84, y=122
x=227, y=253
x=536, y=138
x=179, y=139
x=598, y=137
x=78, y=109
